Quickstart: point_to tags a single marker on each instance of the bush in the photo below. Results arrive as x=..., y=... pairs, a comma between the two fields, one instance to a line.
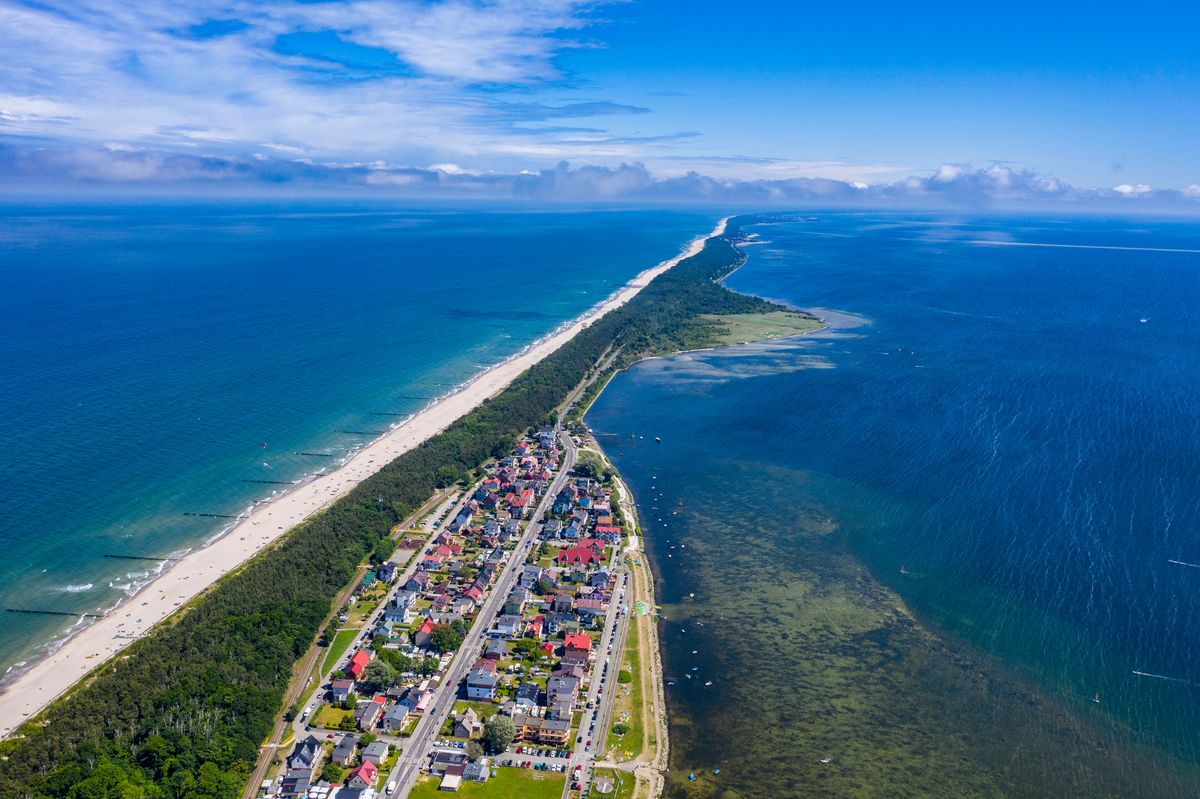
x=625, y=676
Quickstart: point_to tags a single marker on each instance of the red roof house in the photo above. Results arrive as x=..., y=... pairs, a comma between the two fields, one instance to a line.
x=357, y=663
x=578, y=641
x=577, y=555
x=364, y=776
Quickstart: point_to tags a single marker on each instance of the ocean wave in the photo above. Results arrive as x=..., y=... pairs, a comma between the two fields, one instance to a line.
x=76, y=589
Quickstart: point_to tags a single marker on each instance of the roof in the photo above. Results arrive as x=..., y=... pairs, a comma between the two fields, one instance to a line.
x=578, y=641
x=367, y=772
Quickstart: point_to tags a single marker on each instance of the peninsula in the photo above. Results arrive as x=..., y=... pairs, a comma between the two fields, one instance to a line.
x=213, y=679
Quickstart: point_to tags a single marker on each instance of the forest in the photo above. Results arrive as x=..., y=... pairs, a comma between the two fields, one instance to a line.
x=183, y=711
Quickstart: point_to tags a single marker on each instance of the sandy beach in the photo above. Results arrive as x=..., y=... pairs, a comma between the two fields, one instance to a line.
x=189, y=576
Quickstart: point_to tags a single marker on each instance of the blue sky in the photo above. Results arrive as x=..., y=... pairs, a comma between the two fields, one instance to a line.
x=1049, y=97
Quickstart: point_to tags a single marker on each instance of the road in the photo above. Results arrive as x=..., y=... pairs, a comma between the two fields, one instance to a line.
x=601, y=693
x=428, y=729
x=303, y=674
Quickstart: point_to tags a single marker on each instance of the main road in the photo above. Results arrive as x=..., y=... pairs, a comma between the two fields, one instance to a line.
x=413, y=757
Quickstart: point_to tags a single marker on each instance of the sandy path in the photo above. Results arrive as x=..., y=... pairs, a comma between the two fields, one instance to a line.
x=190, y=575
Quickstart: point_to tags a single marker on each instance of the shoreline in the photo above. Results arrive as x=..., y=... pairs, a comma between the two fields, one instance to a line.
x=75, y=656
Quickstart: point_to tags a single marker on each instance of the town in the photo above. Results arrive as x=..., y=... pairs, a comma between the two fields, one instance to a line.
x=491, y=654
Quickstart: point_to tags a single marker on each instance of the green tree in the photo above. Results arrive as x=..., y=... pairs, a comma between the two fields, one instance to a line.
x=379, y=675
x=333, y=773
x=445, y=638
x=384, y=548
x=474, y=750
x=498, y=733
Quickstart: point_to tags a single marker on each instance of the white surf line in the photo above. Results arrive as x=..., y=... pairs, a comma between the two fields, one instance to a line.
x=1184, y=563
x=1163, y=677
x=988, y=243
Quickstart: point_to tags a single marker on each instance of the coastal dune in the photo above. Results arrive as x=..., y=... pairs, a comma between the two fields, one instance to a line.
x=184, y=579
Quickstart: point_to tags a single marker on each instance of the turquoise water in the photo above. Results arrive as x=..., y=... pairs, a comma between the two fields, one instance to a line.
x=157, y=358
x=947, y=545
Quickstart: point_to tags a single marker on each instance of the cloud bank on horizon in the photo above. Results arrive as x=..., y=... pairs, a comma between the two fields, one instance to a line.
x=457, y=98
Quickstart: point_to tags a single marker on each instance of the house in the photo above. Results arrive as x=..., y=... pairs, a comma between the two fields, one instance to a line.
x=339, y=690
x=599, y=578
x=578, y=641
x=424, y=634
x=562, y=603
x=444, y=759
x=417, y=700
x=358, y=663
x=376, y=752
x=589, y=608
x=296, y=782
x=479, y=771
x=468, y=725
x=368, y=714
x=364, y=776
x=527, y=694
x=395, y=718
x=561, y=708
x=387, y=571
x=485, y=664
x=418, y=582
x=452, y=778
x=481, y=684
x=508, y=624
x=559, y=622
x=306, y=754
x=532, y=729
x=496, y=649
x=343, y=753
x=530, y=576
x=582, y=556
x=400, y=609
x=551, y=529
x=561, y=687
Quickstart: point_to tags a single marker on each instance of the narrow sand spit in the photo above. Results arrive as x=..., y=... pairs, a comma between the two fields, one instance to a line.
x=187, y=577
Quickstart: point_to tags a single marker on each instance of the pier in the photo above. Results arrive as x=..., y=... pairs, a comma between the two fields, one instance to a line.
x=55, y=613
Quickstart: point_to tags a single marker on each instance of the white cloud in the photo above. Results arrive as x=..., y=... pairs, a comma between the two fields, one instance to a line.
x=1127, y=190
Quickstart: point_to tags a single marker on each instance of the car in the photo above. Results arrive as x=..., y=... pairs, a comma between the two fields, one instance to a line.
x=578, y=766
x=589, y=743
x=579, y=740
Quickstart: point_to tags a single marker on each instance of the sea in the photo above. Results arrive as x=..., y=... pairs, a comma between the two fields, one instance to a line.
x=165, y=365
x=949, y=546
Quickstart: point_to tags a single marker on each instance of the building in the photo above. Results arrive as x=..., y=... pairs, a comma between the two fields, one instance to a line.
x=527, y=694
x=376, y=752
x=344, y=752
x=358, y=663
x=468, y=725
x=532, y=729
x=395, y=718
x=364, y=776
x=340, y=690
x=481, y=684
x=306, y=754
x=368, y=714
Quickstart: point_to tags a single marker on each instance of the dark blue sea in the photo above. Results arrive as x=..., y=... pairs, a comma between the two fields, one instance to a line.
x=158, y=359
x=949, y=546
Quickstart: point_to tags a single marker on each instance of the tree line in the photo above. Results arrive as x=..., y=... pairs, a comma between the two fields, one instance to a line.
x=182, y=712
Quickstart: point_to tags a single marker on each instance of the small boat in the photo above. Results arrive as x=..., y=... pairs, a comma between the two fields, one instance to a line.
x=687, y=676
x=826, y=760
x=707, y=684
x=695, y=668
x=657, y=440
x=716, y=771
x=691, y=777
x=1096, y=698
x=695, y=651
x=691, y=596
x=1144, y=319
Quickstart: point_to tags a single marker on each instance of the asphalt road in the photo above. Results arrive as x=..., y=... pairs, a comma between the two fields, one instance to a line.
x=428, y=729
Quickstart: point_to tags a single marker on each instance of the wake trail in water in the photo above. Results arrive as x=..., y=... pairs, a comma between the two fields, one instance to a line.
x=1184, y=563
x=1164, y=677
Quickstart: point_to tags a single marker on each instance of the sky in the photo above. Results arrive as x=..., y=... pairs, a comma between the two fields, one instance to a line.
x=1059, y=101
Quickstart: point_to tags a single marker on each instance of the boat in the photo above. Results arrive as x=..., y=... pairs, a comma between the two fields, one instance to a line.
x=707, y=684
x=657, y=440
x=716, y=771
x=826, y=760
x=692, y=777
x=1096, y=698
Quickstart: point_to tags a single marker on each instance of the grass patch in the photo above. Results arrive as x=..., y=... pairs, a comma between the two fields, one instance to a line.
x=623, y=783
x=748, y=327
x=509, y=783
x=337, y=647
x=330, y=717
x=627, y=709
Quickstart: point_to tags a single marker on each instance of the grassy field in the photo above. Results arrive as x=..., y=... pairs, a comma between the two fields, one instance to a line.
x=337, y=648
x=744, y=328
x=509, y=783
x=628, y=707
x=622, y=783
x=329, y=717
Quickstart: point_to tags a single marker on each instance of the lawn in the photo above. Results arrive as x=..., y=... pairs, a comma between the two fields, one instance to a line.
x=509, y=783
x=628, y=707
x=337, y=648
x=623, y=783
x=329, y=716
